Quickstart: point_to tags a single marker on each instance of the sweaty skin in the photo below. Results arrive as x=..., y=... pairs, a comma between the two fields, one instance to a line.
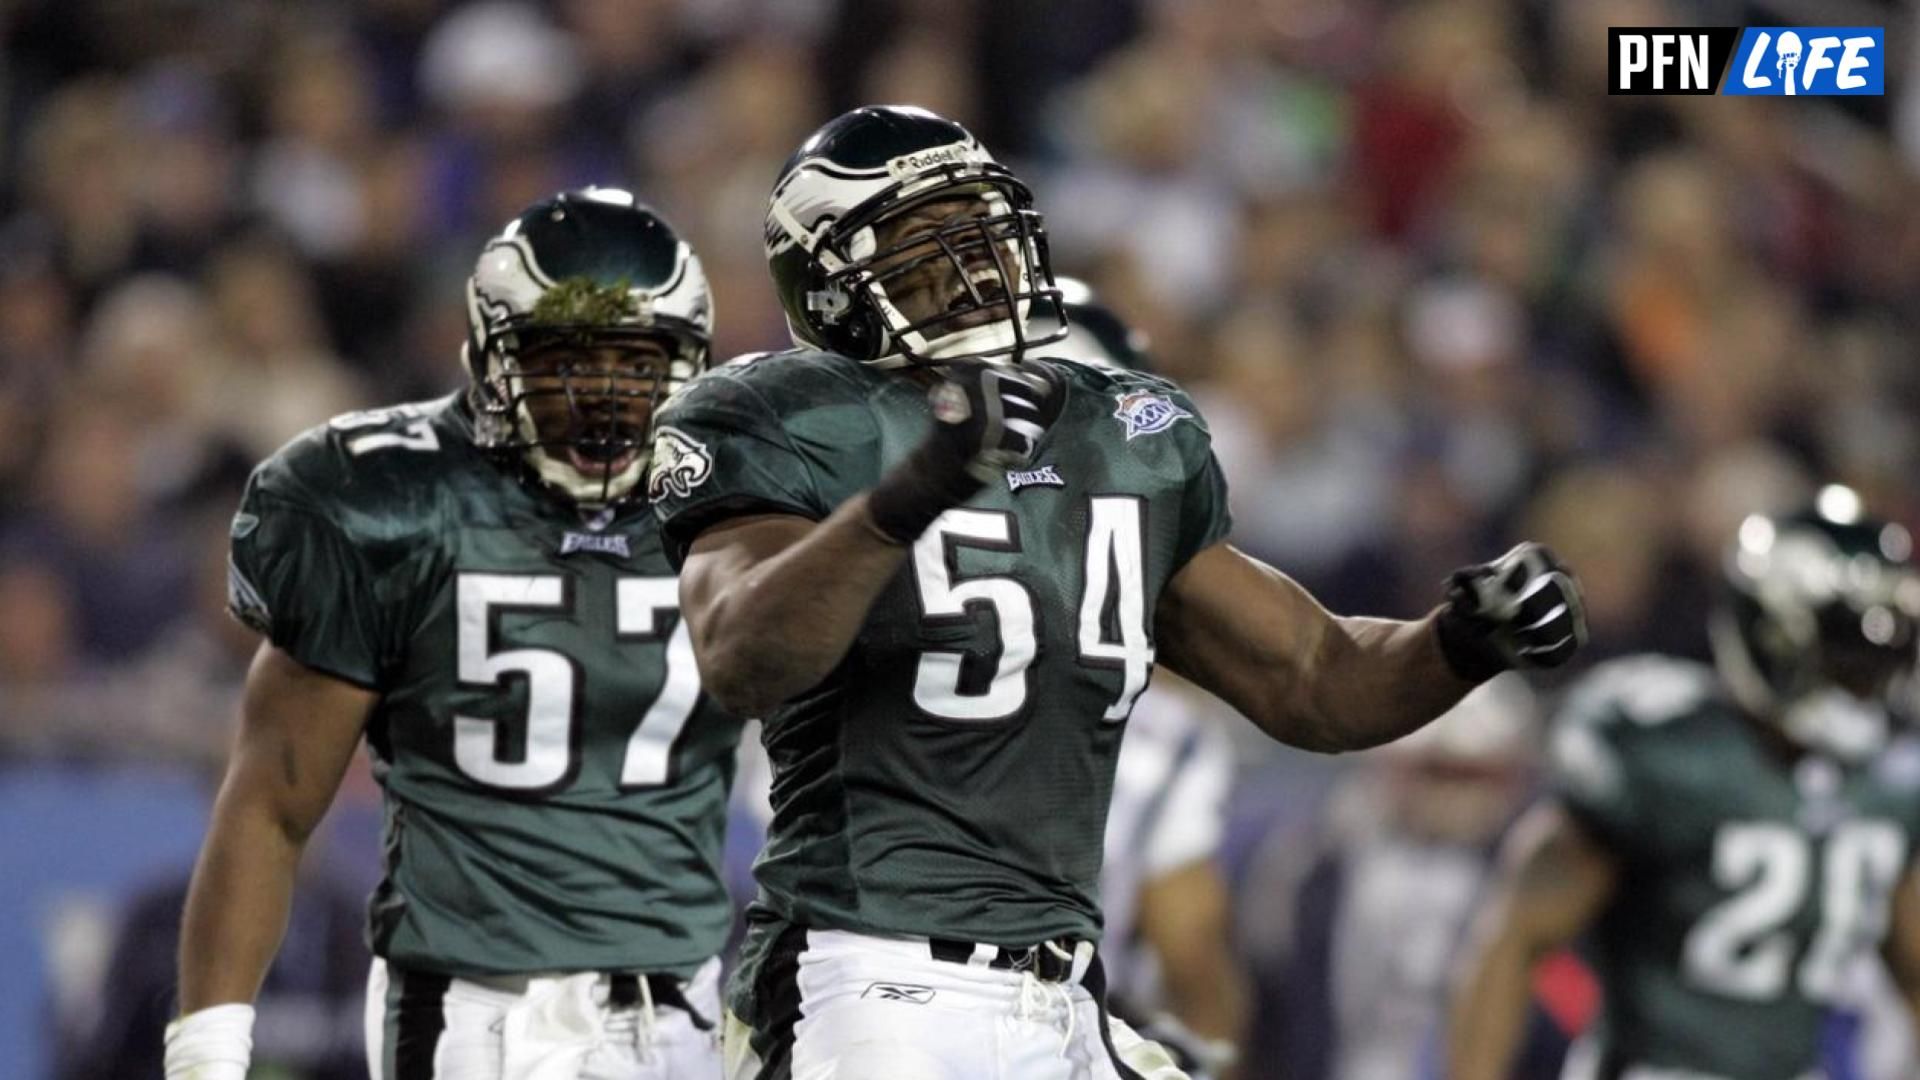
x=1305, y=676
x=298, y=732
x=774, y=600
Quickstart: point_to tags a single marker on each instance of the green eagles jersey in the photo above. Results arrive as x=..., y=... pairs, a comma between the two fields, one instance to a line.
x=951, y=777
x=1749, y=880
x=555, y=781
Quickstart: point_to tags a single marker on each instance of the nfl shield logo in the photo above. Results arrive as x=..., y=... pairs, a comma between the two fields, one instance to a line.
x=1144, y=413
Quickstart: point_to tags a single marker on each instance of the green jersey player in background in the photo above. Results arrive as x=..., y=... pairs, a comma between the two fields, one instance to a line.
x=475, y=586
x=1728, y=840
x=943, y=567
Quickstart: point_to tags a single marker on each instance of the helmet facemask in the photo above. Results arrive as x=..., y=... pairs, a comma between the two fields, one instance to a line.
x=953, y=271
x=868, y=215
x=573, y=392
x=583, y=315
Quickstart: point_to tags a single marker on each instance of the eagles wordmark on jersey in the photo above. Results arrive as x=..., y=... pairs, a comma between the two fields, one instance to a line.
x=554, y=780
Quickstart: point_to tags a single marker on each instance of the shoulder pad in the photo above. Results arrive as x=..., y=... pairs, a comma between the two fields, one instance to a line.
x=785, y=363
x=1645, y=691
x=363, y=463
x=1141, y=402
x=1102, y=377
x=1120, y=386
x=746, y=358
x=792, y=380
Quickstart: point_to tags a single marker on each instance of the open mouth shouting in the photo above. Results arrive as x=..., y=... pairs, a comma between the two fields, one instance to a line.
x=605, y=449
x=602, y=461
x=984, y=282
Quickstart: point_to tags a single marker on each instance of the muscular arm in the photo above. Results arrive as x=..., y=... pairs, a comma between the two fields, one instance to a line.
x=1552, y=882
x=774, y=600
x=1902, y=947
x=1307, y=677
x=1183, y=919
x=298, y=731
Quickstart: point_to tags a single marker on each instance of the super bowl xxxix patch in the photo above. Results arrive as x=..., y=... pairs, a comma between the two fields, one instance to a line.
x=1145, y=413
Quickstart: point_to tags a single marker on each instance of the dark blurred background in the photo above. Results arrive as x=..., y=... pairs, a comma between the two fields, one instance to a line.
x=1433, y=287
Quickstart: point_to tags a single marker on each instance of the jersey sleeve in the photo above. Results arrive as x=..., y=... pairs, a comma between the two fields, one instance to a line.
x=721, y=451
x=1205, y=519
x=294, y=577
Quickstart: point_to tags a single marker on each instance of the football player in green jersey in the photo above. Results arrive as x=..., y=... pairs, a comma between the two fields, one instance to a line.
x=475, y=586
x=943, y=567
x=1728, y=840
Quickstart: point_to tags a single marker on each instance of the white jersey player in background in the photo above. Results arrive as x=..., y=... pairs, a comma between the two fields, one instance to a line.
x=1354, y=942
x=1170, y=963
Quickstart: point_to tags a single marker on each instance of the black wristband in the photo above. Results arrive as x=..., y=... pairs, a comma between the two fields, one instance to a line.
x=1468, y=652
x=928, y=483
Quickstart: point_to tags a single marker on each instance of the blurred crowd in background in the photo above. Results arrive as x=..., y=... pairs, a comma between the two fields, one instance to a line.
x=1433, y=287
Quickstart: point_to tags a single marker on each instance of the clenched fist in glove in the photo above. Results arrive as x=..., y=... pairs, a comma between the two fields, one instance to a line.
x=1522, y=610
x=987, y=418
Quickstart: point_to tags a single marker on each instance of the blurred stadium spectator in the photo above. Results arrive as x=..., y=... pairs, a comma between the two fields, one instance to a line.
x=310, y=1012
x=1353, y=959
x=1433, y=285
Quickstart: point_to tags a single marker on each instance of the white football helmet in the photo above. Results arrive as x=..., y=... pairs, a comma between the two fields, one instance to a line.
x=826, y=218
x=582, y=272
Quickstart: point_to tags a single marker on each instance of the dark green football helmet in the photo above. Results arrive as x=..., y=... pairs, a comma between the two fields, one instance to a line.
x=583, y=275
x=840, y=195
x=1818, y=621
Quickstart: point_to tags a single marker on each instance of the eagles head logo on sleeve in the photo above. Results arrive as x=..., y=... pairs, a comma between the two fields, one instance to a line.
x=680, y=464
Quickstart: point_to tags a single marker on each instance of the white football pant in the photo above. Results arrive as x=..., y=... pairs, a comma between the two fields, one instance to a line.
x=558, y=1027
x=880, y=1008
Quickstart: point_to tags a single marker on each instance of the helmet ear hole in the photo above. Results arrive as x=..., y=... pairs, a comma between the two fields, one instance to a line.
x=866, y=332
x=856, y=333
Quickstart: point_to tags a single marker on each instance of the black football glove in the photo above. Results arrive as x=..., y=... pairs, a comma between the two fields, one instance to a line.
x=1523, y=610
x=987, y=418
